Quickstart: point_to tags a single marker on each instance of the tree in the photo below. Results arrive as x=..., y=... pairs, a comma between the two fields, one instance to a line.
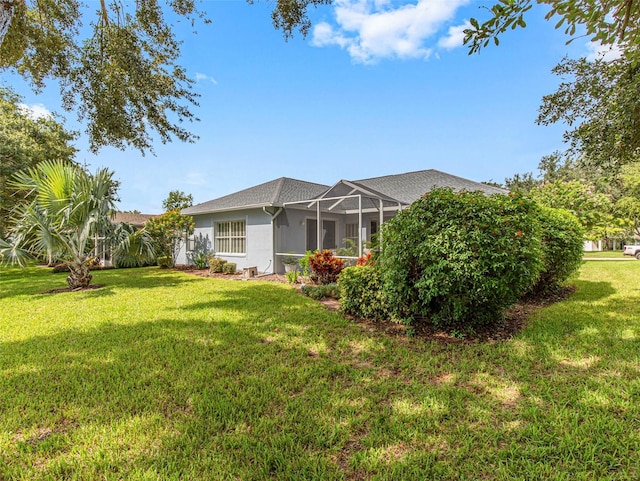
x=592, y=208
x=122, y=77
x=599, y=101
x=177, y=200
x=68, y=208
x=169, y=232
x=26, y=141
x=614, y=22
x=119, y=70
x=628, y=205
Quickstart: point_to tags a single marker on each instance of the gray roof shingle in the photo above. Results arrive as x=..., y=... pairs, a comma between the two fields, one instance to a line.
x=273, y=193
x=136, y=220
x=410, y=186
x=405, y=188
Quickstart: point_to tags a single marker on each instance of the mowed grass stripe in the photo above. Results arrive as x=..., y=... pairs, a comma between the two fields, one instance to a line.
x=163, y=375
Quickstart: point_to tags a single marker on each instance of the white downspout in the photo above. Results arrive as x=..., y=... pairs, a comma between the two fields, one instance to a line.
x=273, y=236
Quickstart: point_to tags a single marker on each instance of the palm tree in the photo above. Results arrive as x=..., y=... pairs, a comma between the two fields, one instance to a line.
x=68, y=207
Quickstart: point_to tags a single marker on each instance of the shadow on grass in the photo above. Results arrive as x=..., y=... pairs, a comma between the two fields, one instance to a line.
x=260, y=383
x=40, y=280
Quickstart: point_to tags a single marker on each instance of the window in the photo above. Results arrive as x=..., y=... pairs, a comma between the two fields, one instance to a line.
x=328, y=234
x=351, y=232
x=190, y=243
x=374, y=229
x=231, y=237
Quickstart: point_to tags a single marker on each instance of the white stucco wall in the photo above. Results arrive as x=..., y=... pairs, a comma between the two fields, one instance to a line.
x=259, y=238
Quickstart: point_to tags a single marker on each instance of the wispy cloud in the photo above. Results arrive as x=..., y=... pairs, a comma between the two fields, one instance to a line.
x=36, y=111
x=201, y=77
x=597, y=51
x=194, y=178
x=370, y=30
x=454, y=38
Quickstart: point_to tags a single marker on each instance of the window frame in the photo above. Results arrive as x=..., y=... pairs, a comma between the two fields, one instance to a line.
x=229, y=236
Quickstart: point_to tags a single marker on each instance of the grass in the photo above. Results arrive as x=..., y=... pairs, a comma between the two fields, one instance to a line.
x=605, y=255
x=164, y=376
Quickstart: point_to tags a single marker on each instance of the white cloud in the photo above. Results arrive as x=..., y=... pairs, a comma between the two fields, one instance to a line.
x=454, y=38
x=371, y=30
x=597, y=51
x=200, y=77
x=36, y=111
x=194, y=178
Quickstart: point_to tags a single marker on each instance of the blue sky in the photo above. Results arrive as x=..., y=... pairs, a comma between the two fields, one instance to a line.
x=378, y=87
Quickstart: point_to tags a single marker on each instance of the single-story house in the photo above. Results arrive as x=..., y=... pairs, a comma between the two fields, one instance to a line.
x=261, y=225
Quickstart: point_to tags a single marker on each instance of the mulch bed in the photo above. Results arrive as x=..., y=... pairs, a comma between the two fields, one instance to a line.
x=514, y=321
x=90, y=287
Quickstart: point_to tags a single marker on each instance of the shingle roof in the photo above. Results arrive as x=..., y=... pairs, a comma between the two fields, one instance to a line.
x=136, y=220
x=405, y=188
x=273, y=193
x=409, y=187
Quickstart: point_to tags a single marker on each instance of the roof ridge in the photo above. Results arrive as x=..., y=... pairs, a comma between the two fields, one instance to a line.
x=397, y=175
x=278, y=189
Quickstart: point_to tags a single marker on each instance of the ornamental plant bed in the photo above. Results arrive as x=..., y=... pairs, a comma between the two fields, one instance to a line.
x=516, y=319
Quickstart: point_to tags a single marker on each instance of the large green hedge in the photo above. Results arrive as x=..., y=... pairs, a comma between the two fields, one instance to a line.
x=460, y=259
x=361, y=292
x=562, y=247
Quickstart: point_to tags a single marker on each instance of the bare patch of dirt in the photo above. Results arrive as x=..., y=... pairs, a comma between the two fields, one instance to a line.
x=90, y=287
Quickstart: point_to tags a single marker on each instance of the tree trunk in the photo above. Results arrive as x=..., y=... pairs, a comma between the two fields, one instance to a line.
x=79, y=276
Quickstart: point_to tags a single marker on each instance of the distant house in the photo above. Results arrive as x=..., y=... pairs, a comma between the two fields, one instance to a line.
x=259, y=226
x=100, y=251
x=131, y=218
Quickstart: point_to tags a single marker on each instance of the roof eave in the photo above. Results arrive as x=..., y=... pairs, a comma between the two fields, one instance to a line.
x=233, y=209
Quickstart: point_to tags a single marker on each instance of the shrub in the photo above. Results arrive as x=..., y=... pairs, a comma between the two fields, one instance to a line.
x=325, y=268
x=216, y=265
x=365, y=259
x=562, y=244
x=292, y=277
x=165, y=261
x=305, y=263
x=129, y=259
x=201, y=252
x=361, y=293
x=322, y=291
x=199, y=259
x=229, y=267
x=460, y=259
x=57, y=268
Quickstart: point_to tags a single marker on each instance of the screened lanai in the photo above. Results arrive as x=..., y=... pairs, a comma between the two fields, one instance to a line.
x=347, y=213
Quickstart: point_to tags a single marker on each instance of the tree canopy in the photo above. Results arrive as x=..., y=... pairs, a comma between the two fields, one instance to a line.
x=25, y=141
x=118, y=69
x=177, y=200
x=599, y=102
x=614, y=22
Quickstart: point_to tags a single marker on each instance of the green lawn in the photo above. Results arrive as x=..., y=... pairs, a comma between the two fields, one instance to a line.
x=606, y=255
x=164, y=376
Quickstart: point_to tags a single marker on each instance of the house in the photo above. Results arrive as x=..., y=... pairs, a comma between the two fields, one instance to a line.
x=259, y=226
x=100, y=250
